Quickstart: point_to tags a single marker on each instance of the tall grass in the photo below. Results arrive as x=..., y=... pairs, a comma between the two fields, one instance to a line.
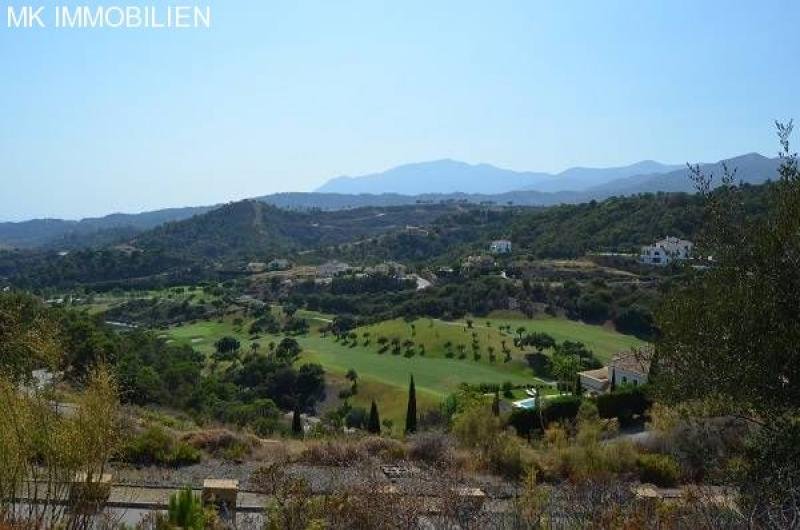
x=42, y=452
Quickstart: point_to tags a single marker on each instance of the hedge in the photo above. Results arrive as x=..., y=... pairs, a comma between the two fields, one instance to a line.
x=623, y=403
x=556, y=409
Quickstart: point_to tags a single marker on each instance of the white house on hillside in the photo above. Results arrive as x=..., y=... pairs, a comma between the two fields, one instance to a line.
x=256, y=267
x=626, y=368
x=629, y=368
x=332, y=268
x=666, y=251
x=500, y=246
x=594, y=381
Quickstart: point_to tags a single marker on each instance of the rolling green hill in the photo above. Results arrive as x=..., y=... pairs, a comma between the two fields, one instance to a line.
x=252, y=229
x=384, y=376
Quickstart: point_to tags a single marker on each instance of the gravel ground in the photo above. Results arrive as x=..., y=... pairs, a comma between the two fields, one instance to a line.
x=322, y=479
x=186, y=476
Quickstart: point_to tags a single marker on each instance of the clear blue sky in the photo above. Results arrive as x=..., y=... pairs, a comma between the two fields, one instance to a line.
x=281, y=95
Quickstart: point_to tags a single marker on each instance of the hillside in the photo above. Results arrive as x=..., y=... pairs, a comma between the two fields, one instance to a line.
x=98, y=231
x=251, y=229
x=236, y=233
x=618, y=224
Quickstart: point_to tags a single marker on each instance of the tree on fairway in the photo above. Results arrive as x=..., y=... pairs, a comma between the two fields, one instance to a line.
x=411, y=413
x=289, y=310
x=288, y=350
x=226, y=349
x=227, y=345
x=540, y=341
x=374, y=422
x=352, y=376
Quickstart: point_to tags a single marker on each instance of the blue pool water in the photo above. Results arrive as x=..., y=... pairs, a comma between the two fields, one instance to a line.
x=529, y=403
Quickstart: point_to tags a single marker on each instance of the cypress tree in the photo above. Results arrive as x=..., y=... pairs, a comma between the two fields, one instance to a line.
x=411, y=413
x=297, y=425
x=374, y=423
x=496, y=403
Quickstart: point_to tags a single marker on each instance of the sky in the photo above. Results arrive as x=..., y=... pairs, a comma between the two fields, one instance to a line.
x=282, y=95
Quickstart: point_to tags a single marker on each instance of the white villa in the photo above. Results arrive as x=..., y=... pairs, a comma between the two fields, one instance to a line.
x=388, y=267
x=332, y=268
x=666, y=251
x=626, y=368
x=500, y=246
x=629, y=368
x=256, y=267
x=594, y=381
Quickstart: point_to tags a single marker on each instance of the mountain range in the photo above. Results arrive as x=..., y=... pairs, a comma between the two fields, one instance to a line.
x=587, y=183
x=427, y=182
x=451, y=176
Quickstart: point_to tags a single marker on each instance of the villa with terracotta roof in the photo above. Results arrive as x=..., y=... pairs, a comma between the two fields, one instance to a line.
x=629, y=367
x=594, y=381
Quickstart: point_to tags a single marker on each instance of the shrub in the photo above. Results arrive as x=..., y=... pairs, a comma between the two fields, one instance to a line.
x=560, y=408
x=222, y=443
x=333, y=453
x=432, y=448
x=509, y=456
x=265, y=426
x=661, y=470
x=387, y=449
x=584, y=457
x=155, y=446
x=356, y=418
x=476, y=427
x=496, y=449
x=433, y=419
x=525, y=421
x=540, y=364
x=553, y=410
x=623, y=403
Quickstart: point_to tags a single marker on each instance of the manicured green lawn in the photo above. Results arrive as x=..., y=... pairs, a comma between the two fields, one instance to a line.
x=203, y=334
x=384, y=376
x=437, y=376
x=435, y=334
x=602, y=341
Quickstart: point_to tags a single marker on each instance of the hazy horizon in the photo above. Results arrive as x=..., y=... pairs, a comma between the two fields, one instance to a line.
x=325, y=180
x=278, y=97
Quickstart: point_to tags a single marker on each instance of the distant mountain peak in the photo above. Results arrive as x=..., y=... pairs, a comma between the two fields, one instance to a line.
x=434, y=176
x=447, y=175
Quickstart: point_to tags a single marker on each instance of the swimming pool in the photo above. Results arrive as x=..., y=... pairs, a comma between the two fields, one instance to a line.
x=529, y=403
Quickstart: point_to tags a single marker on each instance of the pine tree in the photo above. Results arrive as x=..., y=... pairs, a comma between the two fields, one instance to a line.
x=297, y=424
x=374, y=423
x=411, y=413
x=185, y=510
